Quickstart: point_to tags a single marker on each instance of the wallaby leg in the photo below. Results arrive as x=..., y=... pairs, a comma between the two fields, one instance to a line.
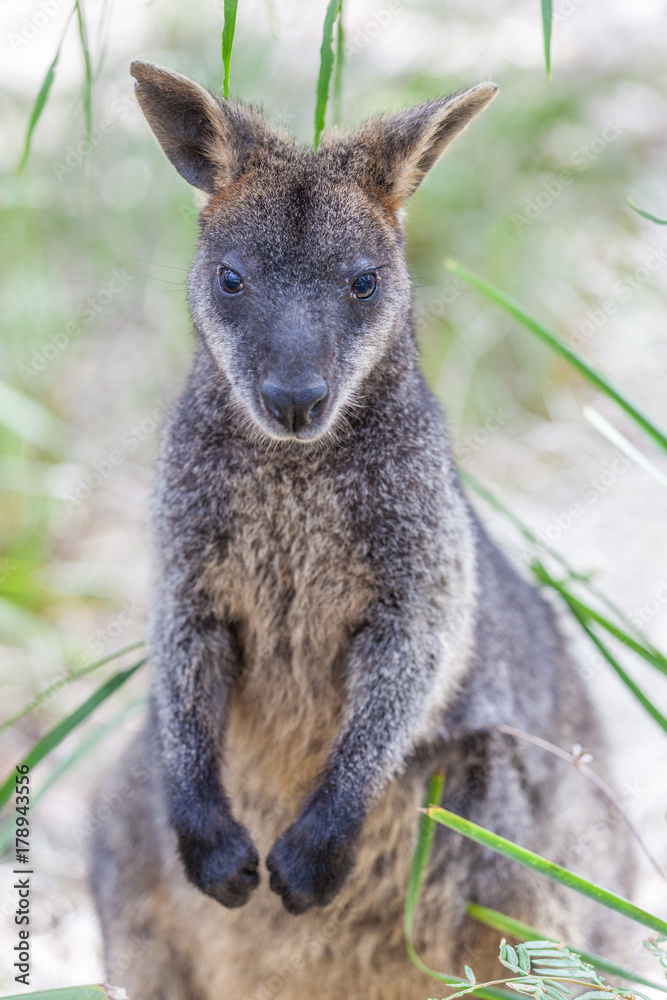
x=144, y=951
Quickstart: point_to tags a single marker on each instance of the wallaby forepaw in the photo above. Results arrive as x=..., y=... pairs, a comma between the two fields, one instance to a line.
x=226, y=870
x=306, y=873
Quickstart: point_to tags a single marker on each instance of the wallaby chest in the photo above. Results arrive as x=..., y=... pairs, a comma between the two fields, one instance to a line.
x=295, y=583
x=291, y=576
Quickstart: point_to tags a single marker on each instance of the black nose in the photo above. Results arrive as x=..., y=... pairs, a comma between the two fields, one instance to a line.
x=294, y=408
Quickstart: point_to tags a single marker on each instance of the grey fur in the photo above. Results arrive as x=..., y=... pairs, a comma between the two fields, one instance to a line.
x=331, y=621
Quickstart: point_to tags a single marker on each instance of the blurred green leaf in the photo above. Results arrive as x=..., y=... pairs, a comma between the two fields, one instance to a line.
x=88, y=77
x=29, y=419
x=645, y=214
x=334, y=10
x=524, y=932
x=67, y=725
x=545, y=867
x=547, y=19
x=228, y=29
x=551, y=338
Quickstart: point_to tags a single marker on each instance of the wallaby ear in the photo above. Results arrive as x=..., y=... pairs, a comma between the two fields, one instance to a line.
x=198, y=132
x=395, y=152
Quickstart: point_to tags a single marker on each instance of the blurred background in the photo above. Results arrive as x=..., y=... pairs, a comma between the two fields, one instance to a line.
x=96, y=343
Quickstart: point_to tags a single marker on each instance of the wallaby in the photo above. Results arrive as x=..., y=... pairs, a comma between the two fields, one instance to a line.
x=331, y=623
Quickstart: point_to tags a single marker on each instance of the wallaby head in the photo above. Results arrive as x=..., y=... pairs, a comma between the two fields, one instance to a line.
x=299, y=286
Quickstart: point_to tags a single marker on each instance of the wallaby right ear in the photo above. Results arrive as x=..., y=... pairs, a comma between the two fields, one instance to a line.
x=195, y=129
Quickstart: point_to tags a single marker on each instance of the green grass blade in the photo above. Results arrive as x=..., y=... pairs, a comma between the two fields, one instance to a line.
x=228, y=29
x=627, y=680
x=621, y=442
x=88, y=75
x=422, y=851
x=67, y=725
x=643, y=699
x=547, y=20
x=582, y=612
x=338, y=71
x=334, y=8
x=70, y=993
x=548, y=868
x=651, y=656
x=573, y=575
x=524, y=932
x=81, y=752
x=645, y=214
x=551, y=338
x=63, y=681
x=42, y=96
x=38, y=107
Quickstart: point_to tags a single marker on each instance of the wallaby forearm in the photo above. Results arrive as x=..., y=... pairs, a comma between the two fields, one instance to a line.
x=195, y=664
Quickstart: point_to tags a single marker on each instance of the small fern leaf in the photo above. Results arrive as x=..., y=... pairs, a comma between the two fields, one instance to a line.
x=546, y=946
x=657, y=945
x=598, y=995
x=557, y=985
x=562, y=959
x=529, y=985
x=511, y=960
x=551, y=991
x=564, y=972
x=524, y=958
x=470, y=975
x=565, y=967
x=553, y=954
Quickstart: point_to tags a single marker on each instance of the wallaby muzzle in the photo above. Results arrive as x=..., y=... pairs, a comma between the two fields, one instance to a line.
x=294, y=407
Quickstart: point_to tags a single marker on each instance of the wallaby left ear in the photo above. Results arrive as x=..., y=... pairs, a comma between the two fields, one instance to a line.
x=206, y=138
x=392, y=154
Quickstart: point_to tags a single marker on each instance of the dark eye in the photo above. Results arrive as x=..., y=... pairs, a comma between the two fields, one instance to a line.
x=365, y=285
x=229, y=281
